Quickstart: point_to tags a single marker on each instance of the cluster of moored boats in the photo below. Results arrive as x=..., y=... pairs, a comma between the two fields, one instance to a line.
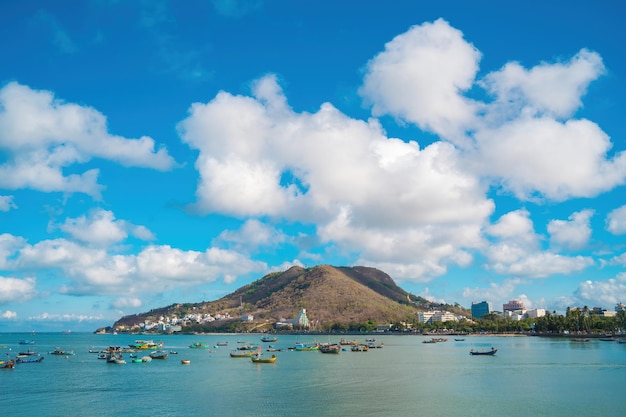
x=31, y=356
x=115, y=354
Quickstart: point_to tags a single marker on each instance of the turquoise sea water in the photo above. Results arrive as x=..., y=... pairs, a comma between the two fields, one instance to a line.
x=529, y=376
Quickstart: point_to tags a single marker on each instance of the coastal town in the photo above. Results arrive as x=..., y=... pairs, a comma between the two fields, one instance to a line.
x=433, y=319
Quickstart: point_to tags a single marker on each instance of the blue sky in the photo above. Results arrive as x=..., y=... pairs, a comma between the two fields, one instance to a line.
x=154, y=152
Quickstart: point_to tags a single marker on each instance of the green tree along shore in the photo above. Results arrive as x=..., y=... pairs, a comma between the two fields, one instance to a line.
x=578, y=321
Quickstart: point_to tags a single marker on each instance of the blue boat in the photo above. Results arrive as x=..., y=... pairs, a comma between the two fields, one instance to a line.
x=27, y=342
x=484, y=352
x=28, y=358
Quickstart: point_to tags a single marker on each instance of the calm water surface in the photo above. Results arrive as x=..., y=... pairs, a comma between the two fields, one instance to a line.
x=528, y=377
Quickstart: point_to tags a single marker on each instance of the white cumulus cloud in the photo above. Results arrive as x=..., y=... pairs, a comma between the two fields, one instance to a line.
x=8, y=315
x=15, y=289
x=42, y=136
x=421, y=76
x=609, y=292
x=616, y=221
x=573, y=233
x=100, y=228
x=516, y=250
x=259, y=158
x=7, y=203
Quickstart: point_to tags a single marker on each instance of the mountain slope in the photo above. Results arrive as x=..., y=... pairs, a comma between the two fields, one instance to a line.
x=331, y=295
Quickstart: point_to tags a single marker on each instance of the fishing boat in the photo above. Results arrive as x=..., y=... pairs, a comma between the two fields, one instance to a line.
x=459, y=340
x=346, y=342
x=114, y=355
x=330, y=348
x=222, y=343
x=146, y=345
x=241, y=353
x=28, y=358
x=435, y=340
x=246, y=347
x=61, y=352
x=159, y=354
x=137, y=360
x=301, y=347
x=10, y=364
x=26, y=342
x=269, y=338
x=580, y=340
x=360, y=348
x=256, y=358
x=185, y=361
x=490, y=352
x=199, y=345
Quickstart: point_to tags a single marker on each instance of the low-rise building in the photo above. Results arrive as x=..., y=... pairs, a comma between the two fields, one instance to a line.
x=434, y=316
x=537, y=312
x=599, y=311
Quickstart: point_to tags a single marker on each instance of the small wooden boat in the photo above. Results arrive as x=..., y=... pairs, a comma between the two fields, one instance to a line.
x=137, y=360
x=146, y=345
x=490, y=352
x=185, y=361
x=300, y=347
x=159, y=354
x=10, y=364
x=580, y=340
x=247, y=347
x=61, y=352
x=435, y=340
x=359, y=348
x=328, y=348
x=258, y=359
x=269, y=339
x=458, y=340
x=222, y=343
x=199, y=345
x=241, y=353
